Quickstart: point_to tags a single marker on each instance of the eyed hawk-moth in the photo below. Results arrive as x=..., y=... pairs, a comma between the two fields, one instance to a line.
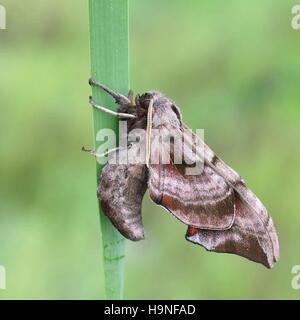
x=221, y=213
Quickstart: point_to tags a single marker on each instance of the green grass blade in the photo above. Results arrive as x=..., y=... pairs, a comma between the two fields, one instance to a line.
x=109, y=65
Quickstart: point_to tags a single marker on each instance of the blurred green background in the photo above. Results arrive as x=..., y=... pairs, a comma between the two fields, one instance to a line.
x=232, y=67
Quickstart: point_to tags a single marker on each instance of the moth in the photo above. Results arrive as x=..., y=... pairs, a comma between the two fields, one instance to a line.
x=221, y=213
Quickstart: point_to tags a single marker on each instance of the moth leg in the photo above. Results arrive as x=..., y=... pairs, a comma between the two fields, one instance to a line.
x=99, y=155
x=113, y=113
x=120, y=99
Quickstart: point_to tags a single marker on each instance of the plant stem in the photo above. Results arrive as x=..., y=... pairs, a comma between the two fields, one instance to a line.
x=109, y=65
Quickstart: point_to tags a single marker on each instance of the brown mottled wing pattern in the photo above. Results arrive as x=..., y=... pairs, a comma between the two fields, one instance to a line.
x=223, y=215
x=247, y=237
x=205, y=201
x=121, y=190
x=253, y=234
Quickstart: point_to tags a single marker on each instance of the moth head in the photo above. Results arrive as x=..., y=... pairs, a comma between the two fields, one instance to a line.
x=160, y=102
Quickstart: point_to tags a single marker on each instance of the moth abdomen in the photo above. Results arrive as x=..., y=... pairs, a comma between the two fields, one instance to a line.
x=121, y=190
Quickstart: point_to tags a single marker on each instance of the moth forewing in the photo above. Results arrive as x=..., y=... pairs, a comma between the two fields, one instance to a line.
x=202, y=199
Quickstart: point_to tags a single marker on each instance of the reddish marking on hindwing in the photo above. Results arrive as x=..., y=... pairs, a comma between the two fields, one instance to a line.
x=191, y=231
x=168, y=202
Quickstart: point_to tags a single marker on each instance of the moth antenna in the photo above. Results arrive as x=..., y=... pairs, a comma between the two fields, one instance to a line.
x=148, y=132
x=113, y=113
x=120, y=99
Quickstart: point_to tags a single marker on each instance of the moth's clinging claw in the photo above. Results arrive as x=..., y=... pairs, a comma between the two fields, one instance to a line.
x=94, y=153
x=120, y=98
